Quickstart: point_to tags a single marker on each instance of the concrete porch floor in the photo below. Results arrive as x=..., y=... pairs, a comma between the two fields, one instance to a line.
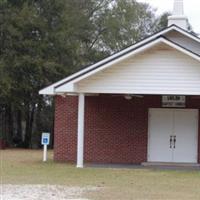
x=153, y=166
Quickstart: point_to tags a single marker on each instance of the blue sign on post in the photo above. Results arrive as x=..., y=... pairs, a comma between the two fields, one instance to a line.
x=45, y=138
x=45, y=141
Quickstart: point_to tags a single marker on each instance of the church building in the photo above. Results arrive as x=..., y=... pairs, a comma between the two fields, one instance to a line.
x=138, y=106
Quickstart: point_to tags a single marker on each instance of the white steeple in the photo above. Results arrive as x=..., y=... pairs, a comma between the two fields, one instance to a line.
x=178, y=18
x=178, y=7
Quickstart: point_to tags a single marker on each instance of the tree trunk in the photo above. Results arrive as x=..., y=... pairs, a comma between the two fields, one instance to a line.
x=9, y=116
x=19, y=125
x=32, y=113
x=29, y=118
x=27, y=129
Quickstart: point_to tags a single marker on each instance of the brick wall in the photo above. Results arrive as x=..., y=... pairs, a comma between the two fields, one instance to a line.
x=115, y=128
x=65, y=139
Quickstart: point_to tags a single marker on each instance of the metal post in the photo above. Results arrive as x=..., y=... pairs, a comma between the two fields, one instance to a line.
x=45, y=153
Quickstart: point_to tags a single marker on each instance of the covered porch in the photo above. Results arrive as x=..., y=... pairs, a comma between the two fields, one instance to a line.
x=113, y=128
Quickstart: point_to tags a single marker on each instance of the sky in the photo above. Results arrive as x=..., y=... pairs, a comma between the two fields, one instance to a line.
x=191, y=9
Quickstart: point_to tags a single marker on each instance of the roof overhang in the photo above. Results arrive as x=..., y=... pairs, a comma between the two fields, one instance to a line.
x=67, y=85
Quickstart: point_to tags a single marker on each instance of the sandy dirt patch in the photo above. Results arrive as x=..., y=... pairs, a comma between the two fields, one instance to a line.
x=43, y=192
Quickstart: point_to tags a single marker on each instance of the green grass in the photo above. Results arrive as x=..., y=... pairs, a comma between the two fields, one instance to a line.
x=26, y=167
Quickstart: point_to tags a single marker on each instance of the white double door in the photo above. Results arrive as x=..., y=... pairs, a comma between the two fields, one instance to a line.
x=173, y=135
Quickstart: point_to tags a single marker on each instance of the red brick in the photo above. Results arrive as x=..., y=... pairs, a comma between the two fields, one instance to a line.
x=116, y=129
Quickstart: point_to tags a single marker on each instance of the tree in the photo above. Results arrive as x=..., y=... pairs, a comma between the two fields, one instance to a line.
x=125, y=23
x=44, y=41
x=25, y=61
x=162, y=21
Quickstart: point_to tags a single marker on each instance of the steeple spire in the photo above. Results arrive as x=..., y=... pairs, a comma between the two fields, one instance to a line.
x=178, y=18
x=178, y=7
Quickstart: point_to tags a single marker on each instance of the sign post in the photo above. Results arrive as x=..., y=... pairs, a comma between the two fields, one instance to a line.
x=45, y=141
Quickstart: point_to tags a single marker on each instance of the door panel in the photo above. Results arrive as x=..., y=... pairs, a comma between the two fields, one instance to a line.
x=182, y=126
x=160, y=125
x=185, y=130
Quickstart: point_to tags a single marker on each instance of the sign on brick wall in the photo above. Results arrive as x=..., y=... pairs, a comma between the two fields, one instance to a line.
x=173, y=101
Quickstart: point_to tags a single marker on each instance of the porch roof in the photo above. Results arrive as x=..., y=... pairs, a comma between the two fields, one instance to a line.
x=69, y=84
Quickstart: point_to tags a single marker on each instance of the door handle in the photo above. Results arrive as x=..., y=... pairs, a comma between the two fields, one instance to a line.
x=170, y=141
x=174, y=142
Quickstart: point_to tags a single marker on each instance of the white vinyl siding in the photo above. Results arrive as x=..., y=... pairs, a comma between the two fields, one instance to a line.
x=175, y=34
x=158, y=71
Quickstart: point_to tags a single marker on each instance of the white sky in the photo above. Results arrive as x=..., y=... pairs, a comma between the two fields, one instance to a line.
x=191, y=8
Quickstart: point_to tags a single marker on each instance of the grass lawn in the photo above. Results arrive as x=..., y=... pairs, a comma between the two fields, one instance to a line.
x=26, y=167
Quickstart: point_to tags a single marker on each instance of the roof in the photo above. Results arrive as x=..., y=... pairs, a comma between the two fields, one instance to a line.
x=133, y=49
